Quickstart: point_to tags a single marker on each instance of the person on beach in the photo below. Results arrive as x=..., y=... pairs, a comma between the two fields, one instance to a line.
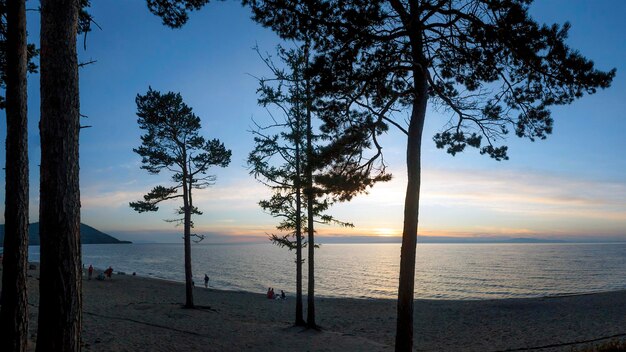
x=282, y=294
x=90, y=271
x=206, y=280
x=108, y=272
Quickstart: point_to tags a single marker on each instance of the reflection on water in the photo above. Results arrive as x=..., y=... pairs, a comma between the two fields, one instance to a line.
x=443, y=271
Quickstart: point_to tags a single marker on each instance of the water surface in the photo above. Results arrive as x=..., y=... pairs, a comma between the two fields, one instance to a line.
x=443, y=271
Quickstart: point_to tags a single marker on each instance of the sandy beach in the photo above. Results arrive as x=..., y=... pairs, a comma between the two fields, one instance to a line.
x=131, y=313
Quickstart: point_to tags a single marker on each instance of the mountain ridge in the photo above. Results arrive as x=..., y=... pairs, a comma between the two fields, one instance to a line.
x=88, y=235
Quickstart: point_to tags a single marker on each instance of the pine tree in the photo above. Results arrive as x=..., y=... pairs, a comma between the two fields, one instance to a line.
x=14, y=298
x=60, y=285
x=172, y=142
x=486, y=63
x=308, y=169
x=285, y=92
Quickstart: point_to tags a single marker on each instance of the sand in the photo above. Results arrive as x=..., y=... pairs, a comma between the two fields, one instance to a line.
x=130, y=313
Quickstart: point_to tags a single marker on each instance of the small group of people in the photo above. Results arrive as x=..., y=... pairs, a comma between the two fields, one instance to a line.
x=206, y=281
x=106, y=274
x=272, y=295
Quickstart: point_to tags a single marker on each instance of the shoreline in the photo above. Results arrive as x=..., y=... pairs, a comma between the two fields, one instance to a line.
x=558, y=295
x=201, y=286
x=143, y=313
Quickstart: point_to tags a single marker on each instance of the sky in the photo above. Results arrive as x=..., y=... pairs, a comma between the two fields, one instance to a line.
x=571, y=186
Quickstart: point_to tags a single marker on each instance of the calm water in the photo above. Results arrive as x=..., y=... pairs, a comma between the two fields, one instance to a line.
x=444, y=271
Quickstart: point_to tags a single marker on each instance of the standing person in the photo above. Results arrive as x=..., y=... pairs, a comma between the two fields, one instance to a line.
x=108, y=272
x=206, y=280
x=90, y=271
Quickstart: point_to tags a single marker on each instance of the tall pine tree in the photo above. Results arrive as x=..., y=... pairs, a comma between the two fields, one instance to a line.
x=172, y=143
x=486, y=63
x=308, y=168
x=14, y=298
x=285, y=176
x=60, y=303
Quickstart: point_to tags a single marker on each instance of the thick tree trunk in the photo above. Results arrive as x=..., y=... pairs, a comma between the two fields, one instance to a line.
x=187, y=237
x=404, y=328
x=60, y=303
x=14, y=311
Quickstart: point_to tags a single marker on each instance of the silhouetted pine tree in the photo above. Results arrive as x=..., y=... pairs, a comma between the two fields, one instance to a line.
x=484, y=62
x=60, y=285
x=14, y=66
x=285, y=91
x=60, y=304
x=325, y=166
x=172, y=142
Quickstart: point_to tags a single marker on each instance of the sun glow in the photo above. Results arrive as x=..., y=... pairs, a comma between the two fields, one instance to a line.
x=385, y=232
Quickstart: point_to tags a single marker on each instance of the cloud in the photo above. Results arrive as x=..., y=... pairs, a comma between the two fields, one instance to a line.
x=524, y=192
x=110, y=200
x=470, y=202
x=466, y=202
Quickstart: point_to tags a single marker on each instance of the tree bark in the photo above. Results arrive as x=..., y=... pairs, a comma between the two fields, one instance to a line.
x=310, y=320
x=406, y=288
x=187, y=237
x=14, y=299
x=298, y=183
x=60, y=304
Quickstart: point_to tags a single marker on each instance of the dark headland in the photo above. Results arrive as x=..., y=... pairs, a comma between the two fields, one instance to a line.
x=88, y=235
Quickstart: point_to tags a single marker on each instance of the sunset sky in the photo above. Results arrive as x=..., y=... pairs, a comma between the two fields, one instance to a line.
x=570, y=186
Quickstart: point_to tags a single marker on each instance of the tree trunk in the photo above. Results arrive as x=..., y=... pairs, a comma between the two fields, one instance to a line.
x=310, y=319
x=299, y=316
x=404, y=327
x=299, y=308
x=14, y=299
x=60, y=285
x=187, y=237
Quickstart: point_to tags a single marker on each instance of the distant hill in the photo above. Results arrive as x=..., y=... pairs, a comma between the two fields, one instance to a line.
x=88, y=235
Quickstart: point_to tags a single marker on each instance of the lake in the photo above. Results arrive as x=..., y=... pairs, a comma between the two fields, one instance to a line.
x=443, y=271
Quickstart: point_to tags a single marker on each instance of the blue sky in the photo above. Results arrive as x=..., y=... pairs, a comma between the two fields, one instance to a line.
x=572, y=185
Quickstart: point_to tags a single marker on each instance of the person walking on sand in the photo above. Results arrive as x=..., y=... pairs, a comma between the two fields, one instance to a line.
x=206, y=280
x=90, y=271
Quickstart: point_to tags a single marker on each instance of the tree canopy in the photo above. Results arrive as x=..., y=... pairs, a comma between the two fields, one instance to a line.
x=174, y=13
x=32, y=52
x=486, y=63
